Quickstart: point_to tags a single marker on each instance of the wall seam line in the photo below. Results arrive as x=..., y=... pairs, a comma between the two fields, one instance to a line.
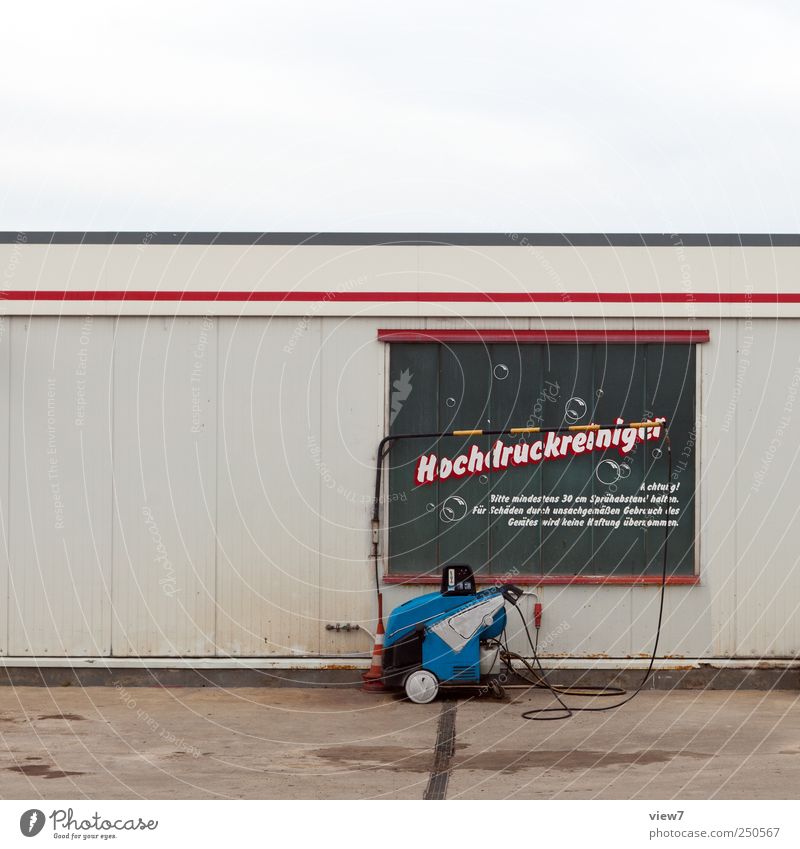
x=8, y=497
x=217, y=393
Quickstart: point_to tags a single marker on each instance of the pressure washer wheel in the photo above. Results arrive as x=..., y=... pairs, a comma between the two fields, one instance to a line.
x=421, y=686
x=496, y=690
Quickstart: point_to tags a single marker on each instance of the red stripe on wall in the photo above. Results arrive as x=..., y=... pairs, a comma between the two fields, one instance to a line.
x=551, y=337
x=410, y=297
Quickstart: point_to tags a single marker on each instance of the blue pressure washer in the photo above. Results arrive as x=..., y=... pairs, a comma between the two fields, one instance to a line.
x=440, y=638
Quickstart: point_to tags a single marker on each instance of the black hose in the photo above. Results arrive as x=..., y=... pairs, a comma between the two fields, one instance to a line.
x=564, y=710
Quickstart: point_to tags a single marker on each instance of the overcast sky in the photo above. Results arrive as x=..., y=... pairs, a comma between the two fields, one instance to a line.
x=523, y=116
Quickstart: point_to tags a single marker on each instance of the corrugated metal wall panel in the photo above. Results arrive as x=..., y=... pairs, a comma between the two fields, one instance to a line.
x=165, y=429
x=717, y=486
x=60, y=477
x=352, y=406
x=686, y=630
x=590, y=620
x=270, y=473
x=5, y=409
x=767, y=472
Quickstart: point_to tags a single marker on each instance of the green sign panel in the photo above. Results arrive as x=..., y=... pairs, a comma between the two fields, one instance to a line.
x=594, y=503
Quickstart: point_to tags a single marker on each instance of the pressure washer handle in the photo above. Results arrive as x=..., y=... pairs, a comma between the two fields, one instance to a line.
x=511, y=592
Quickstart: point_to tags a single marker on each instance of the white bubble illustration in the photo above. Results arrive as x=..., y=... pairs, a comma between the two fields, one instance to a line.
x=599, y=393
x=451, y=402
x=453, y=509
x=624, y=470
x=501, y=371
x=608, y=472
x=430, y=507
x=657, y=452
x=575, y=410
x=484, y=479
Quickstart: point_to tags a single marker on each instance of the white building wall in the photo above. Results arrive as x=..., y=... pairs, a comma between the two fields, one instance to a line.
x=5, y=364
x=767, y=428
x=213, y=493
x=268, y=497
x=59, y=475
x=164, y=488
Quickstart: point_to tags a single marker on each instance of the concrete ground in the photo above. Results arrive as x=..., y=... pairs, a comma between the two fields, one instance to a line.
x=269, y=743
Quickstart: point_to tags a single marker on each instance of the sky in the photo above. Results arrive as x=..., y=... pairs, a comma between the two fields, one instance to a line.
x=413, y=116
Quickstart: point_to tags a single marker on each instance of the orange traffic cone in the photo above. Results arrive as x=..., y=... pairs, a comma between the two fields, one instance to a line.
x=373, y=677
